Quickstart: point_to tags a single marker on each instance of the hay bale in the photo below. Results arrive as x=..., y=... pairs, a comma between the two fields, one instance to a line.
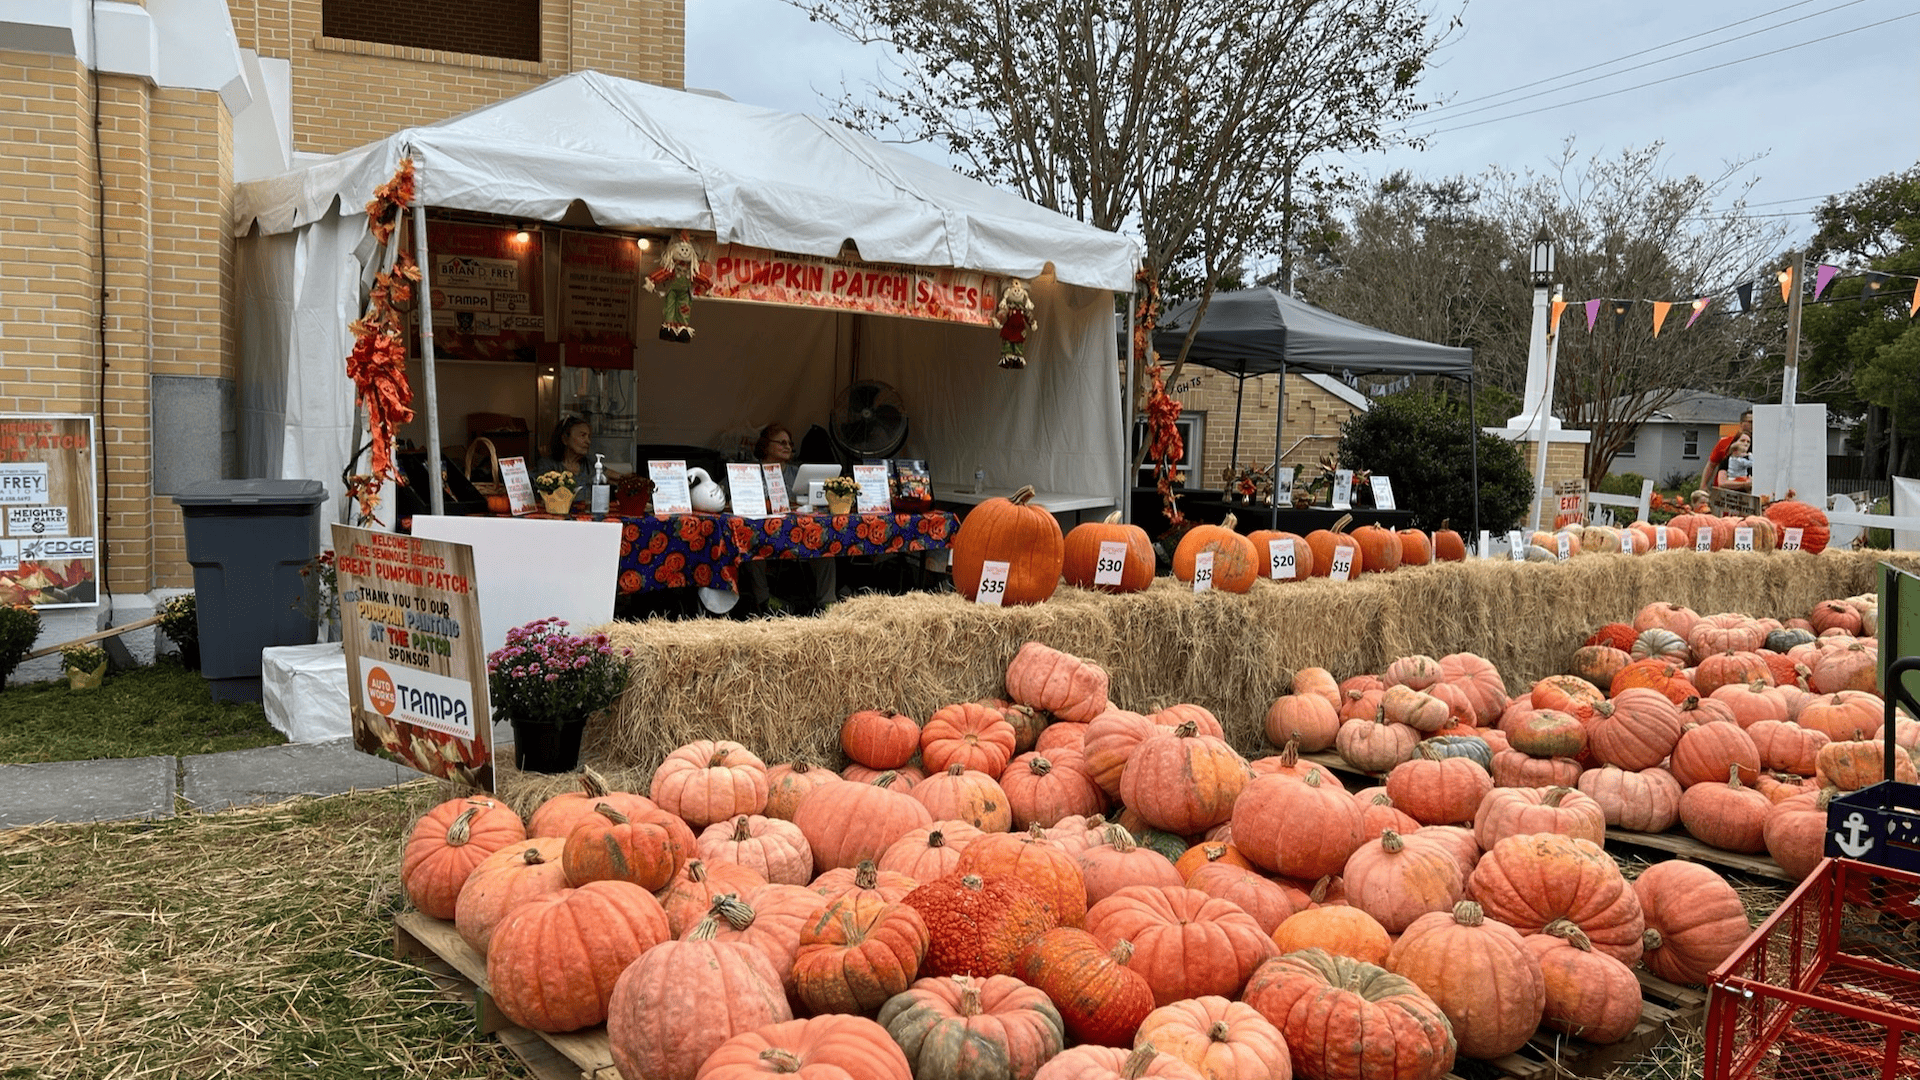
x=783, y=686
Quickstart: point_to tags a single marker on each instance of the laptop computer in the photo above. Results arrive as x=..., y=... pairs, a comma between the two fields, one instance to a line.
x=805, y=478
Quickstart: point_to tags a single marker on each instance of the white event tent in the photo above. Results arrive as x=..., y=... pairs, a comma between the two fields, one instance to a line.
x=607, y=153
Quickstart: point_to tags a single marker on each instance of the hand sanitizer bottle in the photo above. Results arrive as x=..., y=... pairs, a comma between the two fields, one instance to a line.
x=601, y=491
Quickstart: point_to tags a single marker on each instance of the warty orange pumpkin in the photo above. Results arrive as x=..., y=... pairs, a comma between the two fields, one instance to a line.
x=977, y=925
x=1236, y=565
x=1100, y=998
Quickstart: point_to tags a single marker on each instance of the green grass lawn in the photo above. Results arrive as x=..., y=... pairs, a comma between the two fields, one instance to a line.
x=162, y=709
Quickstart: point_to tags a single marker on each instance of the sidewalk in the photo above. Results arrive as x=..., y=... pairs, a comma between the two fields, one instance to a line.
x=111, y=789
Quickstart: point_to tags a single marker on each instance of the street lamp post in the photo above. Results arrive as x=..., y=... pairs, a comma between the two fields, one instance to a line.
x=1540, y=363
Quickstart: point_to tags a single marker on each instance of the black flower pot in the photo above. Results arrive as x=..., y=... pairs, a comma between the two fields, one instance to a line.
x=547, y=748
x=190, y=655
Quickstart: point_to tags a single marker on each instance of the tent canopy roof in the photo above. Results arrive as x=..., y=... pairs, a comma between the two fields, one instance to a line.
x=1258, y=331
x=640, y=156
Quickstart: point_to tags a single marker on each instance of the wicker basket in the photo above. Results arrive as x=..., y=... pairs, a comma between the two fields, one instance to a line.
x=494, y=490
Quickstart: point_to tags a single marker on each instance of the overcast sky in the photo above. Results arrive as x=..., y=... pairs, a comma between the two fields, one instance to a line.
x=1826, y=115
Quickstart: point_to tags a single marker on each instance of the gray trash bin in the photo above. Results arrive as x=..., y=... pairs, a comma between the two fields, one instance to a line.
x=248, y=541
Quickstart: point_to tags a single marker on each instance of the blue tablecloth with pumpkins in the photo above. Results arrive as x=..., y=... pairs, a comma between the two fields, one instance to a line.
x=680, y=550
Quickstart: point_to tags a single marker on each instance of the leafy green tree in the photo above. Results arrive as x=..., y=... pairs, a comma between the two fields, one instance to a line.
x=1420, y=439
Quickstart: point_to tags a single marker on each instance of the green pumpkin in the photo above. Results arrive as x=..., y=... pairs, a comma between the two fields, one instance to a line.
x=1165, y=843
x=1781, y=640
x=1472, y=747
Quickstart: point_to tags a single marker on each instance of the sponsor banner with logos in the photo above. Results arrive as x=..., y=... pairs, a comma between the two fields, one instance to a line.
x=416, y=659
x=484, y=286
x=48, y=510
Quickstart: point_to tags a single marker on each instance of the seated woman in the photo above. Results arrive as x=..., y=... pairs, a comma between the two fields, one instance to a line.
x=571, y=451
x=1738, y=475
x=775, y=447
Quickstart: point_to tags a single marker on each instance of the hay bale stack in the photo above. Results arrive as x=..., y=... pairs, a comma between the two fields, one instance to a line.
x=782, y=686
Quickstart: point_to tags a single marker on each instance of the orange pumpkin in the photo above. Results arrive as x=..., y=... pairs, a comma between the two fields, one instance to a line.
x=1636, y=730
x=710, y=780
x=504, y=880
x=865, y=880
x=967, y=734
x=1856, y=763
x=880, y=738
x=967, y=795
x=1530, y=880
x=1268, y=902
x=1224, y=1040
x=771, y=918
x=1112, y=1063
x=1036, y=861
x=788, y=783
x=1108, y=867
x=1185, y=942
x=1309, y=720
x=1646, y=800
x=1694, y=920
x=1340, y=929
x=1082, y=561
x=1448, y=544
x=954, y=1027
x=445, y=846
x=1812, y=522
x=1042, y=788
x=1184, y=782
x=1070, y=688
x=558, y=815
x=675, y=1005
x=775, y=849
x=1436, y=790
x=1730, y=816
x=1301, y=827
x=845, y=823
x=1100, y=998
x=1017, y=532
x=689, y=896
x=1796, y=831
x=1496, y=1011
x=1349, y=1020
x=1263, y=541
x=1397, y=879
x=930, y=852
x=1380, y=548
x=1334, y=540
x=555, y=959
x=647, y=849
x=1590, y=995
x=1416, y=548
x=830, y=1045
x=859, y=952
x=1235, y=562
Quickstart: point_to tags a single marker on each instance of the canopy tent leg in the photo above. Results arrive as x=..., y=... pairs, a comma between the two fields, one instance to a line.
x=1129, y=409
x=438, y=501
x=1279, y=424
x=1473, y=455
x=1239, y=395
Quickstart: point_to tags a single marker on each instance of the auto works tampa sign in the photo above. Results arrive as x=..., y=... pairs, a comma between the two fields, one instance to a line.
x=416, y=662
x=914, y=292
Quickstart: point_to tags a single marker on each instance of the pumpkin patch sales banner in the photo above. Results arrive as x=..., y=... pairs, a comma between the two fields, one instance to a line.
x=48, y=511
x=416, y=660
x=914, y=292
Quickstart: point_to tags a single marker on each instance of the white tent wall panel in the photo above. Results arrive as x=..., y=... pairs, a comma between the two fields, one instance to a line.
x=748, y=365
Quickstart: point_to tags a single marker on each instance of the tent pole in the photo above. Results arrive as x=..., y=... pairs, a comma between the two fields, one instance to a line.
x=1129, y=410
x=1279, y=422
x=437, y=502
x=1473, y=454
x=1239, y=395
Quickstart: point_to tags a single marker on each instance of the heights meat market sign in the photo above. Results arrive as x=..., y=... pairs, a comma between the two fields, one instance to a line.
x=769, y=277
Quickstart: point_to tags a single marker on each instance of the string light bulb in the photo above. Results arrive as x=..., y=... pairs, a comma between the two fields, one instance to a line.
x=522, y=236
x=643, y=243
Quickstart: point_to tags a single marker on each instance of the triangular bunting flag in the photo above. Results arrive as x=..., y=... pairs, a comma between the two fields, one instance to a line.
x=1660, y=309
x=1916, y=300
x=1699, y=306
x=1559, y=309
x=1745, y=291
x=1875, y=282
x=1620, y=309
x=1786, y=283
x=1822, y=277
x=1593, y=314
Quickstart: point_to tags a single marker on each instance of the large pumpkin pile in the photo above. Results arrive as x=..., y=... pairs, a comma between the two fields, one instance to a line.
x=1061, y=887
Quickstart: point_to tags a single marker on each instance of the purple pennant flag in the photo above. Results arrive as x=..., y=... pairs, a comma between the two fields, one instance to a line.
x=1822, y=277
x=1593, y=314
x=1699, y=307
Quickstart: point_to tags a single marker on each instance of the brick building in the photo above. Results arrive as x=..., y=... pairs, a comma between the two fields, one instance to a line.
x=1316, y=407
x=127, y=126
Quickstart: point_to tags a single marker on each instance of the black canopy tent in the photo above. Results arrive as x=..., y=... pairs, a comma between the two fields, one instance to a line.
x=1249, y=332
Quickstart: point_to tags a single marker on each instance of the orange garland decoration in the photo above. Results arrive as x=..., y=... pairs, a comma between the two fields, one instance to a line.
x=1164, y=444
x=378, y=363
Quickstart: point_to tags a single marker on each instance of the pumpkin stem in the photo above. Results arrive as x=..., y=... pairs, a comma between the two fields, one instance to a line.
x=1039, y=766
x=1214, y=851
x=1570, y=932
x=1651, y=940
x=866, y=875
x=1119, y=839
x=1035, y=832
x=461, y=830
x=741, y=834
x=1446, y=523
x=936, y=838
x=1392, y=842
x=803, y=766
x=593, y=783
x=1218, y=1032
x=532, y=856
x=1187, y=730
x=1137, y=1062
x=1468, y=913
x=972, y=883
x=718, y=759
x=851, y=926
x=1023, y=496
x=1312, y=779
x=696, y=870
x=886, y=779
x=969, y=995
x=1340, y=524
x=1122, y=952
x=1318, y=893
x=1733, y=775
x=1290, y=753
x=956, y=769
x=608, y=812
x=705, y=930
x=1111, y=519
x=738, y=913
x=1229, y=522
x=779, y=1060
x=1554, y=795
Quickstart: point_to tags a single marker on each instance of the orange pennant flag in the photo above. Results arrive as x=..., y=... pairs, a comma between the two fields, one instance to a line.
x=1660, y=309
x=1916, y=300
x=1559, y=309
x=1786, y=283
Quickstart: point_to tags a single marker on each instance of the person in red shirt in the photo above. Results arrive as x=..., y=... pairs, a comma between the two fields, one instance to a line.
x=1717, y=460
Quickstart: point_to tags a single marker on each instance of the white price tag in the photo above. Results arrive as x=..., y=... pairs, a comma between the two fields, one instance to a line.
x=876, y=496
x=1564, y=543
x=776, y=482
x=1283, y=486
x=1516, y=545
x=1382, y=493
x=1111, y=563
x=1703, y=538
x=1203, y=571
x=1282, y=563
x=1343, y=489
x=1342, y=567
x=670, y=494
x=1659, y=538
x=746, y=488
x=1743, y=538
x=1790, y=538
x=513, y=473
x=1626, y=541
x=993, y=583
x=1486, y=544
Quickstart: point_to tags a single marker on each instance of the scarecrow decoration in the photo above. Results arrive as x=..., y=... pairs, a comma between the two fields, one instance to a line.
x=1014, y=317
x=675, y=279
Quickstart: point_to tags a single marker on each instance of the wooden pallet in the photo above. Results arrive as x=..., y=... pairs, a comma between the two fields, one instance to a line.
x=436, y=946
x=1673, y=842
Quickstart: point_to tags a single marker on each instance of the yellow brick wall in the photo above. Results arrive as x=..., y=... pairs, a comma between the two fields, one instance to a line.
x=1565, y=461
x=1312, y=426
x=126, y=145
x=346, y=93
